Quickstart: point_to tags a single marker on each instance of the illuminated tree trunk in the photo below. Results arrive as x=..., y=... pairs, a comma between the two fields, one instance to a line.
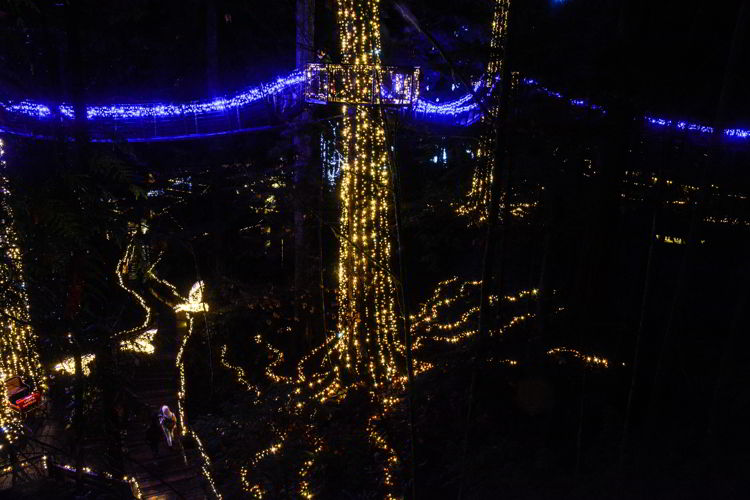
x=18, y=342
x=369, y=348
x=478, y=203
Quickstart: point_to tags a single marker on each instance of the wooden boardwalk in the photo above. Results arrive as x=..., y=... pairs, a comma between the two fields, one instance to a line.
x=174, y=473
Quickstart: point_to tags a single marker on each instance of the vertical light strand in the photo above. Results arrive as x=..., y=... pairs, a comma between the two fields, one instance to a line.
x=18, y=341
x=367, y=324
x=478, y=199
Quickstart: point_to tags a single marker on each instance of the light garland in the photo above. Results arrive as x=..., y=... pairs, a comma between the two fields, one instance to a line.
x=478, y=199
x=398, y=86
x=143, y=343
x=586, y=358
x=425, y=322
x=123, y=265
x=367, y=349
x=462, y=111
x=194, y=302
x=135, y=487
x=191, y=305
x=68, y=365
x=136, y=111
x=18, y=341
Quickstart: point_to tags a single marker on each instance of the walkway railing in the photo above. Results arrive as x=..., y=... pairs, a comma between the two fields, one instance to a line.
x=259, y=108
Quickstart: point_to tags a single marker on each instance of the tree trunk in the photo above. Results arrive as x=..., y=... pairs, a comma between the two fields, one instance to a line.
x=502, y=128
x=305, y=179
x=80, y=132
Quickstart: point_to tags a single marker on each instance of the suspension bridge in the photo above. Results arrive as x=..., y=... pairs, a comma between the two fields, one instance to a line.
x=264, y=106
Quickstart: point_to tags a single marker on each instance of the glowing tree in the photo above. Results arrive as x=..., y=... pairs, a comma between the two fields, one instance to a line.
x=369, y=348
x=18, y=342
x=478, y=201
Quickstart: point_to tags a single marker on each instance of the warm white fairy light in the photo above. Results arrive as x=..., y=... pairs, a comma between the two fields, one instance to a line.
x=121, y=270
x=18, y=341
x=426, y=323
x=191, y=305
x=143, y=343
x=586, y=358
x=478, y=200
x=68, y=365
x=367, y=349
x=194, y=303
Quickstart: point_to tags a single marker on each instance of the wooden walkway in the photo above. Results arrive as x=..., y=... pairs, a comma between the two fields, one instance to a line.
x=170, y=475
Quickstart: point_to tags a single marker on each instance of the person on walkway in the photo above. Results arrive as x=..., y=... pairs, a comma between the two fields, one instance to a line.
x=168, y=422
x=153, y=434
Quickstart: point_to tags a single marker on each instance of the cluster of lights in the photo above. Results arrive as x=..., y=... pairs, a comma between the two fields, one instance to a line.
x=463, y=105
x=135, y=111
x=730, y=221
x=194, y=303
x=143, y=341
x=326, y=84
x=304, y=483
x=368, y=348
x=23, y=464
x=381, y=443
x=239, y=373
x=426, y=321
x=276, y=446
x=142, y=344
x=462, y=111
x=478, y=199
x=123, y=265
x=18, y=341
x=135, y=488
x=206, y=465
x=586, y=358
x=190, y=305
x=68, y=365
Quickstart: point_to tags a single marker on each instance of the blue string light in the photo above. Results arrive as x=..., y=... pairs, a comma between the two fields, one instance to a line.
x=135, y=111
x=463, y=111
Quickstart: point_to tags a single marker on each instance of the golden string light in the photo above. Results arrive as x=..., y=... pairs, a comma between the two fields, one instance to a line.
x=142, y=344
x=586, y=358
x=191, y=305
x=448, y=294
x=366, y=349
x=478, y=199
x=122, y=268
x=19, y=355
x=367, y=325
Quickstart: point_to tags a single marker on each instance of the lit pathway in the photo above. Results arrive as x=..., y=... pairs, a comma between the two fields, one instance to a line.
x=155, y=384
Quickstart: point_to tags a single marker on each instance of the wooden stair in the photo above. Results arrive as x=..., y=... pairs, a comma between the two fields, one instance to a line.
x=155, y=383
